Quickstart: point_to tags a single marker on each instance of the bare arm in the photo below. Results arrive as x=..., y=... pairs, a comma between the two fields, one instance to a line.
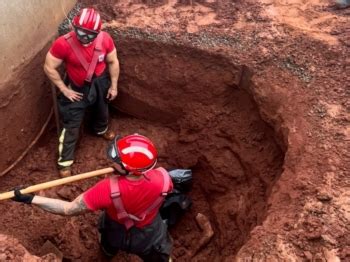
x=60, y=207
x=50, y=67
x=114, y=70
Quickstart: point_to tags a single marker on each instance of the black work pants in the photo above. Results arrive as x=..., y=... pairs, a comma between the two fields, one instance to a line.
x=151, y=243
x=72, y=115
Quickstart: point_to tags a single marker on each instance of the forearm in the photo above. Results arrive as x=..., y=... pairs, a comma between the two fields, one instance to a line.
x=61, y=207
x=55, y=78
x=114, y=73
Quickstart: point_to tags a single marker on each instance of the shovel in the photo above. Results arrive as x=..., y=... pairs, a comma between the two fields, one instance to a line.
x=55, y=108
x=58, y=182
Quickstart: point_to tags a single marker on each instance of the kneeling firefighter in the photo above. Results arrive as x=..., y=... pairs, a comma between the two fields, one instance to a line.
x=131, y=219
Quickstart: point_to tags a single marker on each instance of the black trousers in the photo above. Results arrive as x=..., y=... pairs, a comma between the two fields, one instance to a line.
x=151, y=243
x=72, y=115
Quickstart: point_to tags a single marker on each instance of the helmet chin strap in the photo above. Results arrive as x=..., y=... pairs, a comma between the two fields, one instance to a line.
x=121, y=171
x=124, y=171
x=85, y=43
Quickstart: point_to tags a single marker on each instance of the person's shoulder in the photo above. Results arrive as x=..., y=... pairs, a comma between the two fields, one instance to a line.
x=63, y=37
x=107, y=38
x=104, y=182
x=61, y=41
x=105, y=34
x=161, y=170
x=158, y=173
x=102, y=185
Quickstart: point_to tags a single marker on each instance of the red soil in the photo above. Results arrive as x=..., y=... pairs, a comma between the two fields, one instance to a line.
x=266, y=141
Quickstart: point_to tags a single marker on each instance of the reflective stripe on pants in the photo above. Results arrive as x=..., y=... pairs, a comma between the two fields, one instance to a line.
x=72, y=115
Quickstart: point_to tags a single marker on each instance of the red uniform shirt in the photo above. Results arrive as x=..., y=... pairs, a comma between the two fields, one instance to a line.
x=136, y=196
x=76, y=72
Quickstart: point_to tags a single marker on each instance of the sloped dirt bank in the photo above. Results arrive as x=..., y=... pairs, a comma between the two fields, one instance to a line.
x=26, y=89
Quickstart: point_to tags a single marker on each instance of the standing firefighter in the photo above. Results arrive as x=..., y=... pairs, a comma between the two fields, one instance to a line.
x=131, y=202
x=92, y=71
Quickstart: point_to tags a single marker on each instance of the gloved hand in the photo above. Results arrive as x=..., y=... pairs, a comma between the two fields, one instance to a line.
x=24, y=198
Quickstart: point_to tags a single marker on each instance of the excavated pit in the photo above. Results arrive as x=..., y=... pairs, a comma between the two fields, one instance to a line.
x=197, y=108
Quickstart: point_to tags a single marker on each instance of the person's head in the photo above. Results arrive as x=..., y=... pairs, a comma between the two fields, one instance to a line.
x=87, y=24
x=135, y=153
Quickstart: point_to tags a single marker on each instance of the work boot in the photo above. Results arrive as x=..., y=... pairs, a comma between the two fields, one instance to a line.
x=108, y=135
x=65, y=172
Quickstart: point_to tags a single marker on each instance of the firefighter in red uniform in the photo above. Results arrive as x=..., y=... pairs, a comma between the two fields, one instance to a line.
x=92, y=71
x=131, y=202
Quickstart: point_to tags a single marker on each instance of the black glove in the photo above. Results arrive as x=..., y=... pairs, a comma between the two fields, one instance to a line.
x=24, y=198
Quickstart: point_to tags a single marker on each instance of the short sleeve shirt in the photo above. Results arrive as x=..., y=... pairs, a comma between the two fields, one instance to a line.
x=76, y=72
x=136, y=196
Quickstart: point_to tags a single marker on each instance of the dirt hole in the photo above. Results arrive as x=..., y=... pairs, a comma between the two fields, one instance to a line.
x=197, y=108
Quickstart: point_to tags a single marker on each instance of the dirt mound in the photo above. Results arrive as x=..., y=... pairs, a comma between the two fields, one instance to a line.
x=12, y=250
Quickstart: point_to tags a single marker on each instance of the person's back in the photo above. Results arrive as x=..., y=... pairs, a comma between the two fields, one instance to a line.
x=136, y=194
x=131, y=201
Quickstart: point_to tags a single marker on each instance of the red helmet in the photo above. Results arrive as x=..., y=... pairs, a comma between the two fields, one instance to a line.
x=135, y=153
x=88, y=19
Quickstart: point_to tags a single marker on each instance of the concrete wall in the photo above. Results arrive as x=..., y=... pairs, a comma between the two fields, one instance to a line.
x=25, y=28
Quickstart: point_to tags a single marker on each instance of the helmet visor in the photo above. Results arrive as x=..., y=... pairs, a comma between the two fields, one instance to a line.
x=85, y=36
x=112, y=151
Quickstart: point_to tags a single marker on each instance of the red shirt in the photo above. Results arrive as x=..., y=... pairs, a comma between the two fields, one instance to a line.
x=136, y=196
x=76, y=72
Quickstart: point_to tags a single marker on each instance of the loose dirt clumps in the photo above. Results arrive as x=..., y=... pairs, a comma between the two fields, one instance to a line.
x=251, y=100
x=12, y=250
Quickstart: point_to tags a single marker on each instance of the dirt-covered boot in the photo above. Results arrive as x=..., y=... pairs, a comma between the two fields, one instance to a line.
x=65, y=172
x=108, y=135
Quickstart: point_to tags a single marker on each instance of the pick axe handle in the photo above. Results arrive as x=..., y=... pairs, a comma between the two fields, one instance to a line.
x=55, y=108
x=58, y=182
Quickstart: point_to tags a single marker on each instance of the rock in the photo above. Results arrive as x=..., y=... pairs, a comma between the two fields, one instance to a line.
x=329, y=239
x=66, y=192
x=308, y=255
x=314, y=207
x=49, y=248
x=312, y=236
x=324, y=196
x=207, y=233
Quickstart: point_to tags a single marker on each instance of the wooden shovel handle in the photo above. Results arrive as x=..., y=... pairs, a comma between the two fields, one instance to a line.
x=58, y=182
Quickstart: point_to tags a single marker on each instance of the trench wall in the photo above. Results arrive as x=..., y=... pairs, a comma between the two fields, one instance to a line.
x=26, y=29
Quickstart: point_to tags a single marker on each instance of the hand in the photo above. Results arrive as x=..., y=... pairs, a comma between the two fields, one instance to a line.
x=24, y=198
x=112, y=93
x=72, y=95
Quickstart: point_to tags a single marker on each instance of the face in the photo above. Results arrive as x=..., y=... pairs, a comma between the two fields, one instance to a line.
x=85, y=36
